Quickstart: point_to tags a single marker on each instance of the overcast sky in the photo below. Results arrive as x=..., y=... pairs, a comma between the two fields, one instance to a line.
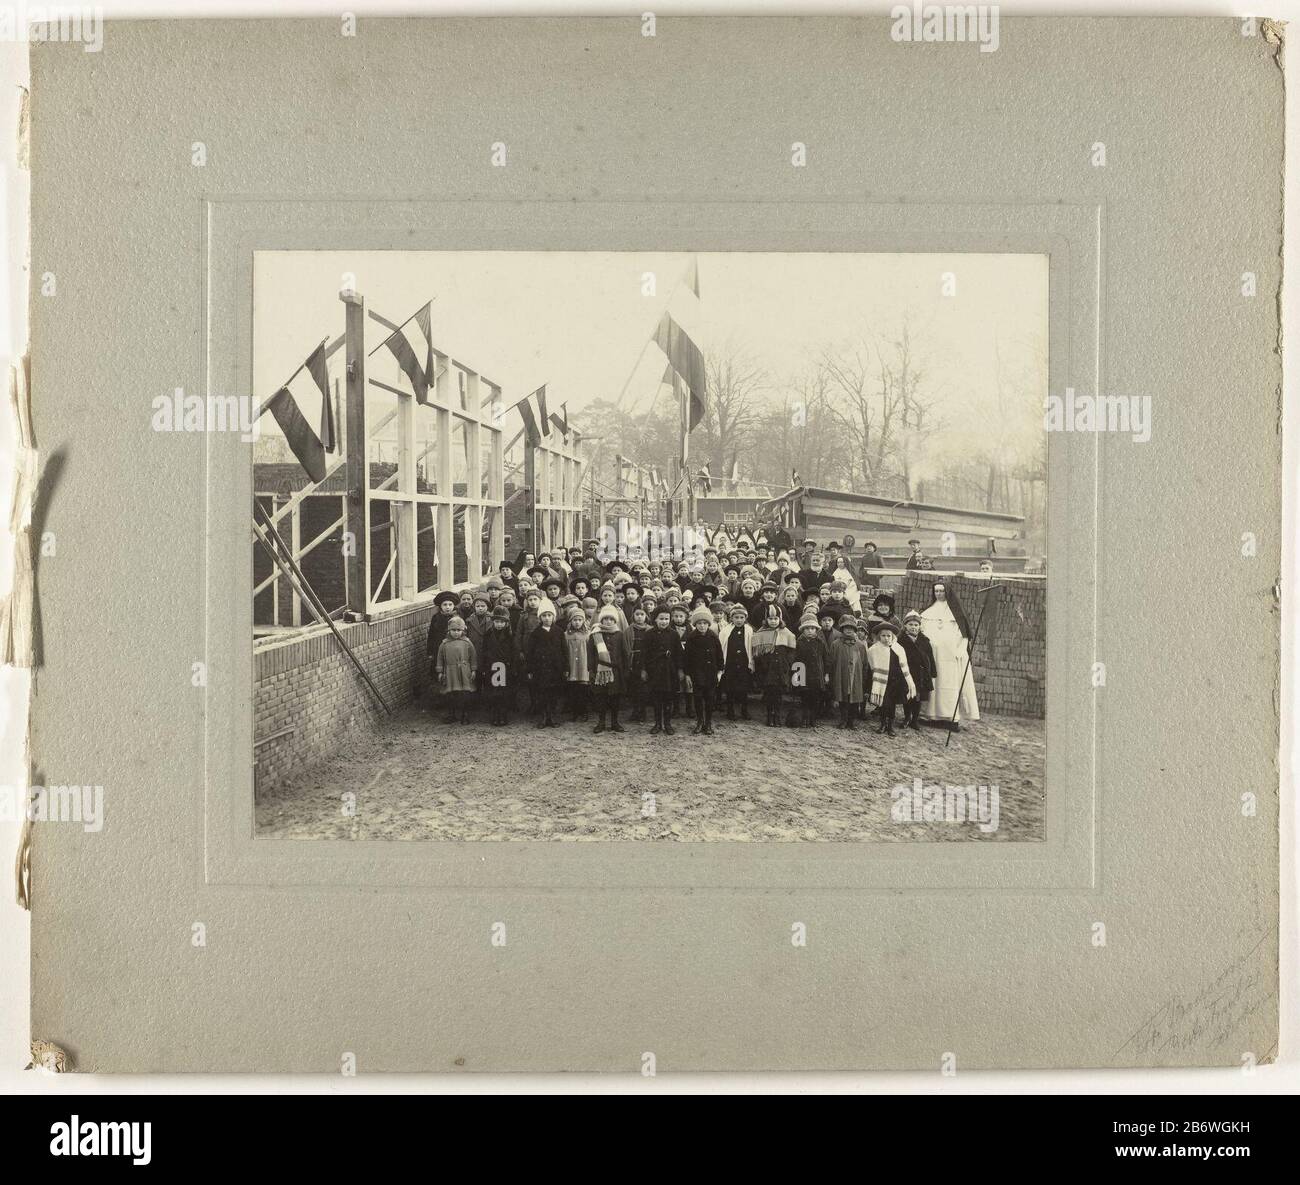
x=577, y=321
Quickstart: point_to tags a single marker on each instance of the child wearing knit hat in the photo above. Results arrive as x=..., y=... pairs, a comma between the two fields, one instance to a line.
x=576, y=674
x=811, y=660
x=848, y=659
x=608, y=660
x=737, y=640
x=703, y=664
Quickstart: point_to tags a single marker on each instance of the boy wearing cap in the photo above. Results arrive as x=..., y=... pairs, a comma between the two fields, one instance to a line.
x=499, y=667
x=920, y=661
x=847, y=662
x=891, y=680
x=702, y=656
x=608, y=661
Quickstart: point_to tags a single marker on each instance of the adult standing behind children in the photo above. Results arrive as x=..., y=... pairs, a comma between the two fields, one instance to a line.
x=945, y=624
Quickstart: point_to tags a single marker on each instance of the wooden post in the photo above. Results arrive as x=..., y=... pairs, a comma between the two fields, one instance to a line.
x=530, y=484
x=356, y=565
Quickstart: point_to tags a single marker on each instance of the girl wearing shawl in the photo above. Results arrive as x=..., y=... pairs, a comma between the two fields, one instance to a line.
x=944, y=623
x=608, y=661
x=773, y=656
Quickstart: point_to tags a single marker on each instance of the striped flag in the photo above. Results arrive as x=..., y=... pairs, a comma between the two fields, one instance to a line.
x=309, y=384
x=706, y=477
x=734, y=475
x=679, y=331
x=412, y=345
x=532, y=410
x=794, y=478
x=656, y=478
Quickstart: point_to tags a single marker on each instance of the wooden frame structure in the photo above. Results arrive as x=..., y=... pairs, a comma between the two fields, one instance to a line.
x=447, y=478
x=553, y=474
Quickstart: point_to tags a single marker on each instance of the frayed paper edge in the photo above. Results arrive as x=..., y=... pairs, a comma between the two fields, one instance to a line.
x=24, y=128
x=16, y=615
x=49, y=1057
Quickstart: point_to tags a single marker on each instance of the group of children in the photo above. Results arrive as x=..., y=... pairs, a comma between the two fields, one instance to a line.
x=676, y=639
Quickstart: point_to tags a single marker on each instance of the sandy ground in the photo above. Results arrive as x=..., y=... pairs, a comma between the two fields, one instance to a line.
x=419, y=778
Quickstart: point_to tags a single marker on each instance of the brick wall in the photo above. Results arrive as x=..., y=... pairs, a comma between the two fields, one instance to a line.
x=1010, y=659
x=308, y=696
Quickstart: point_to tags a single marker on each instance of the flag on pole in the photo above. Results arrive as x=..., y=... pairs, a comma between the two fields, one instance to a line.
x=734, y=475
x=560, y=426
x=656, y=478
x=536, y=422
x=706, y=478
x=411, y=343
x=679, y=331
x=795, y=479
x=309, y=383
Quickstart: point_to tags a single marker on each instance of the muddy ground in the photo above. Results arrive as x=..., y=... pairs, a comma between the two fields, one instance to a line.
x=419, y=778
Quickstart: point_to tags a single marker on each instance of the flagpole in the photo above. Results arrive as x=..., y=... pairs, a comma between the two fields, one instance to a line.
x=970, y=655
x=301, y=367
x=399, y=328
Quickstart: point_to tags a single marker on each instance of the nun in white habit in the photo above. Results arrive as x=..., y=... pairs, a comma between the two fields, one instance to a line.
x=945, y=624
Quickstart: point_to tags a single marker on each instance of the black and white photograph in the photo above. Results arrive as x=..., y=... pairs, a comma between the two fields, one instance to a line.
x=697, y=546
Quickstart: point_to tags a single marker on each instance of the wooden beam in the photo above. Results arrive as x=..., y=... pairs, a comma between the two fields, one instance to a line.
x=354, y=449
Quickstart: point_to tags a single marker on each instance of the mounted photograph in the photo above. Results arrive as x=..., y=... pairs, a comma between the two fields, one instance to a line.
x=559, y=545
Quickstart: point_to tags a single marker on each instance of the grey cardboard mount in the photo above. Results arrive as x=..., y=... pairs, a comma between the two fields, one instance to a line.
x=1164, y=555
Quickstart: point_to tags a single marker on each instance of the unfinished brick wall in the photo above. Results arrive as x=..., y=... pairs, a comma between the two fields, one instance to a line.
x=1010, y=660
x=308, y=696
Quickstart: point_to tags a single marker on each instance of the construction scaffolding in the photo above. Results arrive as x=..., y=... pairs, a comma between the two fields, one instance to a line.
x=412, y=501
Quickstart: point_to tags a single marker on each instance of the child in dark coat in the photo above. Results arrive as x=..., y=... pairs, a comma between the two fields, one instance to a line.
x=608, y=661
x=499, y=667
x=737, y=662
x=920, y=660
x=773, y=658
x=703, y=662
x=847, y=662
x=635, y=689
x=661, y=669
x=891, y=680
x=811, y=663
x=546, y=662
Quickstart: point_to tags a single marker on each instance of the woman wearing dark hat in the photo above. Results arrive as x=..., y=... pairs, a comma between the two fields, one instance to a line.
x=882, y=609
x=444, y=608
x=945, y=624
